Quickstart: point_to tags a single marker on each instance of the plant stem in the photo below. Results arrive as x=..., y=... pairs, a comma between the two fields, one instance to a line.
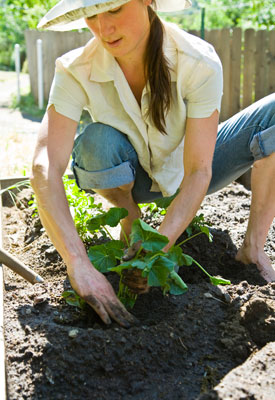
x=138, y=252
x=196, y=262
x=125, y=236
x=126, y=296
x=108, y=233
x=191, y=237
x=156, y=255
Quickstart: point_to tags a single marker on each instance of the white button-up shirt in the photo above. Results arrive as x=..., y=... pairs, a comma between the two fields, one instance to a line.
x=90, y=78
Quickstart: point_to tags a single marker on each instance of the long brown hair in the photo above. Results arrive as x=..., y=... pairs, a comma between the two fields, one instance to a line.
x=157, y=72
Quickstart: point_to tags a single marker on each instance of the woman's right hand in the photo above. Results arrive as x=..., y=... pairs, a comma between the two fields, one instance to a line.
x=53, y=149
x=96, y=290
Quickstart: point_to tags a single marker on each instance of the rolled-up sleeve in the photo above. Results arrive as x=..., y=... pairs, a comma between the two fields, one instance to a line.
x=205, y=88
x=66, y=94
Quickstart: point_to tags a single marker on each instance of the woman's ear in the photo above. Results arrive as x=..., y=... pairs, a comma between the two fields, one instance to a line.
x=147, y=2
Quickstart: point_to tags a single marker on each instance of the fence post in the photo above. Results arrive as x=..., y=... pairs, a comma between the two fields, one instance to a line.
x=202, y=22
x=17, y=69
x=40, y=73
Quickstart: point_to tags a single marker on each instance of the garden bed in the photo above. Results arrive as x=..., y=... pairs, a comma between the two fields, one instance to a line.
x=183, y=346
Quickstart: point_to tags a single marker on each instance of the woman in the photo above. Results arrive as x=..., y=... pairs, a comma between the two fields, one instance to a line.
x=154, y=93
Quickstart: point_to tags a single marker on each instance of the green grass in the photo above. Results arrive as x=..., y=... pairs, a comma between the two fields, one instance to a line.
x=28, y=105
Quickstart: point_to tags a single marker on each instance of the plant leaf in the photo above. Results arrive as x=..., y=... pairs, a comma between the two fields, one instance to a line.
x=95, y=222
x=176, y=290
x=175, y=255
x=115, y=247
x=177, y=281
x=188, y=260
x=206, y=230
x=73, y=299
x=165, y=202
x=178, y=257
x=151, y=239
x=129, y=264
x=104, y=256
x=157, y=276
x=114, y=215
x=164, y=263
x=189, y=231
x=215, y=280
x=111, y=218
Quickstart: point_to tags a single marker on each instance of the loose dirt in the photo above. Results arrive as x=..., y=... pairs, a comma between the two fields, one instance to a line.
x=183, y=345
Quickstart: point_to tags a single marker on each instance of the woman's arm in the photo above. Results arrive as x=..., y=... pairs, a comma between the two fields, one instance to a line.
x=53, y=149
x=199, y=145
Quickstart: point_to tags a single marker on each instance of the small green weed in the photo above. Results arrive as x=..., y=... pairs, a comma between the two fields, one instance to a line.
x=72, y=298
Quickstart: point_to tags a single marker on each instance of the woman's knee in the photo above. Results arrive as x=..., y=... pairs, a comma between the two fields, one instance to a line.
x=100, y=147
x=266, y=108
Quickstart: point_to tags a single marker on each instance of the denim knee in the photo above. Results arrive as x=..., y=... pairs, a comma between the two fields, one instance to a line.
x=242, y=139
x=100, y=147
x=266, y=108
x=263, y=142
x=103, y=158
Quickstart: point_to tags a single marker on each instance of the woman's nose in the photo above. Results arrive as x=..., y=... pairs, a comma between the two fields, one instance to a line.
x=105, y=25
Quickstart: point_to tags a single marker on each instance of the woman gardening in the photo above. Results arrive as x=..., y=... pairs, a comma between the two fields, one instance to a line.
x=153, y=92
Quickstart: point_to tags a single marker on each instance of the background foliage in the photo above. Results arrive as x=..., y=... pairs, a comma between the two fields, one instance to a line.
x=18, y=15
x=15, y=17
x=257, y=14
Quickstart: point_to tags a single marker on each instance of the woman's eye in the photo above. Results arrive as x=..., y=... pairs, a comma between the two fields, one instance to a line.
x=115, y=10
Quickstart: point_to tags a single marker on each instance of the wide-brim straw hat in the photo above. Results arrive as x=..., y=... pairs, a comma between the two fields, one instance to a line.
x=70, y=14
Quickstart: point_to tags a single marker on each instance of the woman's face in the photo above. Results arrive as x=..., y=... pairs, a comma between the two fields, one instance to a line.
x=124, y=30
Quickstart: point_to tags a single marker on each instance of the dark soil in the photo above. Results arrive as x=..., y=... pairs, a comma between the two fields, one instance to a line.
x=183, y=346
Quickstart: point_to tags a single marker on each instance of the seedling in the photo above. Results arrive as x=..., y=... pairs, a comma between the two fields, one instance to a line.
x=159, y=267
x=73, y=299
x=197, y=226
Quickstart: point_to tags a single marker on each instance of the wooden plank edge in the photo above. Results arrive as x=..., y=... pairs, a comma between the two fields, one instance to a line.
x=6, y=182
x=3, y=391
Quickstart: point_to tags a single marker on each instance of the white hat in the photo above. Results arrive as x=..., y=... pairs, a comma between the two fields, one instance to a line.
x=70, y=14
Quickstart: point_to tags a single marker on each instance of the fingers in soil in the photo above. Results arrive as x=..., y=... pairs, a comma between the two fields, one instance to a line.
x=99, y=308
x=121, y=315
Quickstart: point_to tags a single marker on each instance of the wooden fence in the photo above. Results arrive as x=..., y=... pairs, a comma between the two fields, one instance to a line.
x=248, y=59
x=54, y=44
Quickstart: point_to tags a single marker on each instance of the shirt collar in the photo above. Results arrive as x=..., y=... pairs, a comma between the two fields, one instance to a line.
x=104, y=66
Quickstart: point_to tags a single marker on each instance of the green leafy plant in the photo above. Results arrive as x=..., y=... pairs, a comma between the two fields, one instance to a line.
x=197, y=226
x=82, y=208
x=159, y=267
x=28, y=106
x=105, y=256
x=73, y=299
x=159, y=206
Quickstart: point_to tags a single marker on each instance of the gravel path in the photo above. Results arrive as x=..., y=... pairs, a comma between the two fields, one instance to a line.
x=18, y=132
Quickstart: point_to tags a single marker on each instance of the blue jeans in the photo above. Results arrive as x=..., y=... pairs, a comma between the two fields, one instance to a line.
x=104, y=158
